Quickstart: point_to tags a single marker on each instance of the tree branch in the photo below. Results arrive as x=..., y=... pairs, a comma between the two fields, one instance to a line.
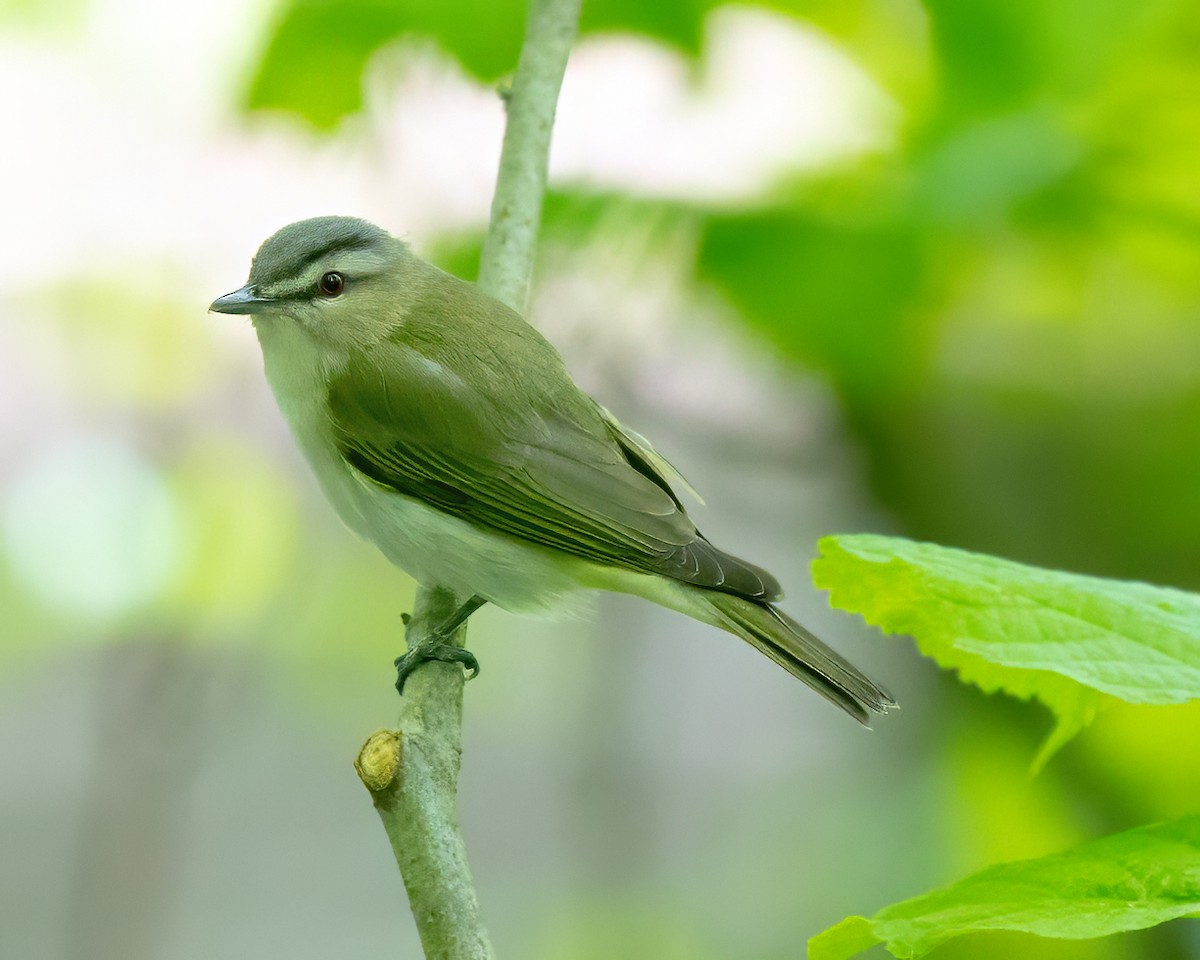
x=506, y=265
x=412, y=775
x=412, y=772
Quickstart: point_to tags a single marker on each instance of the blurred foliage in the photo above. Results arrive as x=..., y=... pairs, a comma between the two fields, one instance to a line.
x=238, y=549
x=1143, y=758
x=1007, y=302
x=621, y=929
x=46, y=14
x=318, y=50
x=1125, y=882
x=1070, y=641
x=91, y=529
x=147, y=349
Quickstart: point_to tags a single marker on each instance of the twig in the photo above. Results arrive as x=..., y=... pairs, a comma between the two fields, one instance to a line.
x=412, y=772
x=506, y=265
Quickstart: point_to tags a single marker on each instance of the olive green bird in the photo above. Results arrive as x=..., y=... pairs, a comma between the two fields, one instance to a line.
x=447, y=431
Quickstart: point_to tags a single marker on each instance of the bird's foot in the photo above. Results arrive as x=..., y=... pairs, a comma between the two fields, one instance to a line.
x=433, y=647
x=437, y=646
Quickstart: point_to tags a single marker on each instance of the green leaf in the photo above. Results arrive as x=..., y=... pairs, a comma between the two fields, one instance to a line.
x=317, y=52
x=853, y=935
x=1068, y=640
x=1127, y=881
x=676, y=22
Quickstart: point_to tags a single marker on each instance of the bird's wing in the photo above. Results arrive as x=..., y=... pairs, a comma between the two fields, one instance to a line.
x=562, y=475
x=639, y=451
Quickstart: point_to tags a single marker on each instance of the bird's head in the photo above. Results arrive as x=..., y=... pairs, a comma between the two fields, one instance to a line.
x=333, y=277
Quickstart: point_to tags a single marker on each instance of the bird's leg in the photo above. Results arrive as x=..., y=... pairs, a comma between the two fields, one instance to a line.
x=436, y=645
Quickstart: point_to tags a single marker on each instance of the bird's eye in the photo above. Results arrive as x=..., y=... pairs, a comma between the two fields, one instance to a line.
x=331, y=284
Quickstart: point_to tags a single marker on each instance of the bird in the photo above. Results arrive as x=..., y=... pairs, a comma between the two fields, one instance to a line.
x=446, y=430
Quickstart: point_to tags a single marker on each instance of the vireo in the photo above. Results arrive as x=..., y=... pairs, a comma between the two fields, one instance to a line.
x=446, y=430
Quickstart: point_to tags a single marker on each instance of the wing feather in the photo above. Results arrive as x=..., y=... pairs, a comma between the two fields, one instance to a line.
x=561, y=474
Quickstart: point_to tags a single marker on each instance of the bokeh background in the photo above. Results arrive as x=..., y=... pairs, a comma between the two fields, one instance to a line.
x=928, y=268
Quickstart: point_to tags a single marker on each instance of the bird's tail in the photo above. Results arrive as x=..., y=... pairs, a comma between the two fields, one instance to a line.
x=799, y=653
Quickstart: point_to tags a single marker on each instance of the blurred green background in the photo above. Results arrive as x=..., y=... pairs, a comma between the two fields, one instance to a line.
x=931, y=268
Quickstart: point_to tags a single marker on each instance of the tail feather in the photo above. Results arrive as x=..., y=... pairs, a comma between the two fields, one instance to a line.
x=801, y=654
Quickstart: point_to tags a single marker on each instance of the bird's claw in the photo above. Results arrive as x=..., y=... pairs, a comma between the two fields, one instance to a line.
x=435, y=650
x=450, y=654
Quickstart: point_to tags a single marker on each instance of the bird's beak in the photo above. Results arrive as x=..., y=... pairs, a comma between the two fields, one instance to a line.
x=245, y=300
